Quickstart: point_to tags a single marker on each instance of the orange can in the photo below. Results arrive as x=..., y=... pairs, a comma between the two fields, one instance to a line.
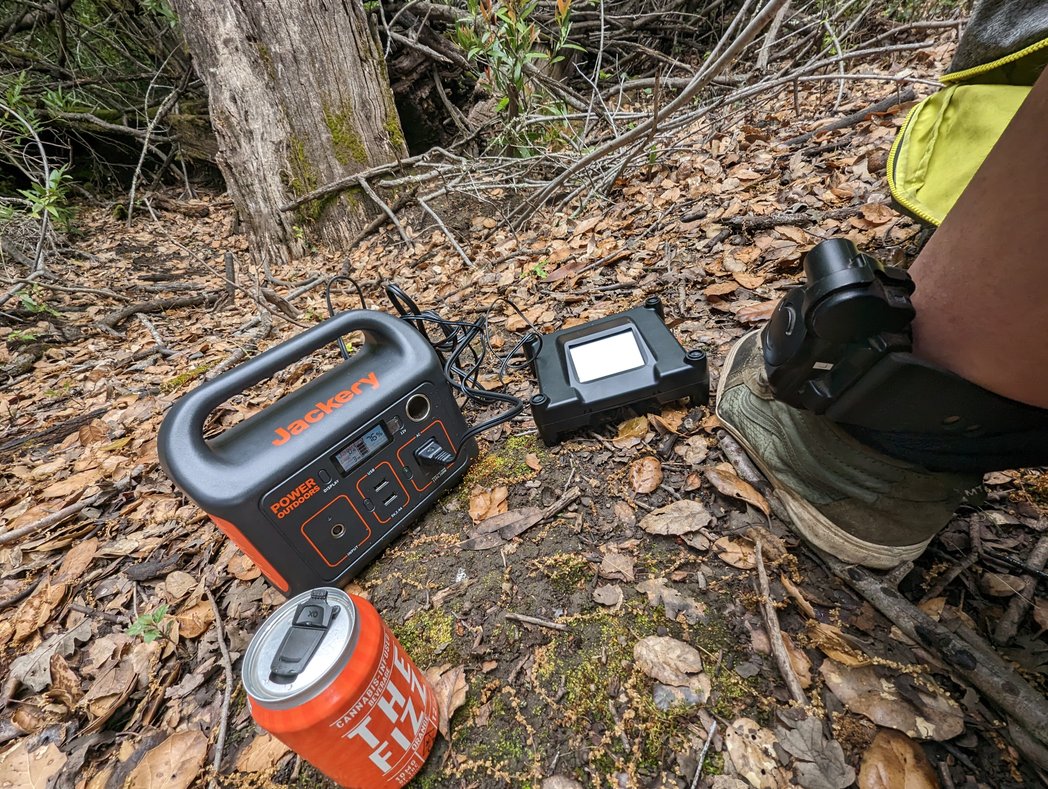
x=327, y=677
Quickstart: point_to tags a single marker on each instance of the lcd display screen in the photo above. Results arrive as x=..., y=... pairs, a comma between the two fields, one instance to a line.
x=361, y=449
x=606, y=356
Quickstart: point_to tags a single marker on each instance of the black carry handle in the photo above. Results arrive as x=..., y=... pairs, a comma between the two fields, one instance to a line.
x=182, y=432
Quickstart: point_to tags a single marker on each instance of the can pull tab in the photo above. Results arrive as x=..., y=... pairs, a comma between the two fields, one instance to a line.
x=308, y=628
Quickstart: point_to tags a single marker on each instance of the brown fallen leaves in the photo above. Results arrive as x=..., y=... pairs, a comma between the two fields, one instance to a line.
x=645, y=474
x=894, y=761
x=173, y=764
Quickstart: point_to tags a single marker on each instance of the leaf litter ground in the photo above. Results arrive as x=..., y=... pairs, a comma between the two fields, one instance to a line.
x=588, y=613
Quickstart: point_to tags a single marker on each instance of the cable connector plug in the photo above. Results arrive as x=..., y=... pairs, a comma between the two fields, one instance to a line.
x=432, y=453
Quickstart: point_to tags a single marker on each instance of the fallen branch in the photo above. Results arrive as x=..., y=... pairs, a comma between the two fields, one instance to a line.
x=1021, y=602
x=114, y=318
x=49, y=520
x=961, y=649
x=771, y=624
x=881, y=106
x=700, y=81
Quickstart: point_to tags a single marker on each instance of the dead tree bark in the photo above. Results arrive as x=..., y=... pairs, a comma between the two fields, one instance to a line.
x=299, y=96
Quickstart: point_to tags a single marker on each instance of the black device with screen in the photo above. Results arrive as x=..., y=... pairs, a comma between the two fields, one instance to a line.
x=588, y=373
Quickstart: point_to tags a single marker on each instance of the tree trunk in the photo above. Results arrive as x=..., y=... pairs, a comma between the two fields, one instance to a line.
x=299, y=96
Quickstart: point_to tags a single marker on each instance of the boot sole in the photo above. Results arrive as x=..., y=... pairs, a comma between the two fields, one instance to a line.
x=811, y=524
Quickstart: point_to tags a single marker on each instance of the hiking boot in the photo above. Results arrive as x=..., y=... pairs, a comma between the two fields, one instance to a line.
x=853, y=502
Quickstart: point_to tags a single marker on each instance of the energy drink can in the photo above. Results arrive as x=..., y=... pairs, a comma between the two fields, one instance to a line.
x=327, y=677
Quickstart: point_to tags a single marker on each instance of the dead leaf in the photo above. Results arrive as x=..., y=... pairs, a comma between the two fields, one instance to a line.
x=692, y=482
x=610, y=595
x=927, y=713
x=173, y=764
x=738, y=553
x=721, y=289
x=693, y=450
x=832, y=642
x=450, y=687
x=674, y=603
x=1040, y=613
x=91, y=433
x=751, y=749
x=800, y=662
x=755, y=313
x=894, y=761
x=725, y=480
x=533, y=462
x=1000, y=584
x=21, y=768
x=645, y=474
x=631, y=432
x=669, y=421
x=194, y=620
x=112, y=688
x=72, y=485
x=486, y=503
x=261, y=754
x=178, y=584
x=667, y=660
x=616, y=567
x=34, y=670
x=680, y=517
x=508, y=518
x=241, y=567
x=878, y=213
x=818, y=760
x=748, y=281
x=65, y=685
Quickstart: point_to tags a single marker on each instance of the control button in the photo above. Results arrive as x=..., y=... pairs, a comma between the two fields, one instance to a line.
x=405, y=472
x=394, y=424
x=369, y=505
x=324, y=476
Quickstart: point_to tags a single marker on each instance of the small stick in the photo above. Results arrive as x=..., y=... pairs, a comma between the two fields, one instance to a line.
x=385, y=209
x=49, y=520
x=231, y=276
x=534, y=620
x=702, y=756
x=227, y=693
x=771, y=624
x=741, y=461
x=1020, y=603
x=444, y=229
x=881, y=106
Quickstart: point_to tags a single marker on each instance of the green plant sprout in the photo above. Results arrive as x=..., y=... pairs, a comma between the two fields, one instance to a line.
x=151, y=626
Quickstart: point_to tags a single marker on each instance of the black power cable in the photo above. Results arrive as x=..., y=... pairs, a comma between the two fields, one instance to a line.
x=463, y=347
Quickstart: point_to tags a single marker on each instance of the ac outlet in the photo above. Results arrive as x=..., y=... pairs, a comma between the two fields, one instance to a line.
x=418, y=475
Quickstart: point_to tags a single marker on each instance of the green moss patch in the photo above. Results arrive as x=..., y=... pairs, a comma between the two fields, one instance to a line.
x=506, y=463
x=428, y=637
x=346, y=142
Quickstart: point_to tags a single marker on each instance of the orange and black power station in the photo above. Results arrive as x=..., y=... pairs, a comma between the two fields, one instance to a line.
x=314, y=486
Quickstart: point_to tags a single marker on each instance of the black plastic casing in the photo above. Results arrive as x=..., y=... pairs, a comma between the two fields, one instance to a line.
x=669, y=373
x=272, y=482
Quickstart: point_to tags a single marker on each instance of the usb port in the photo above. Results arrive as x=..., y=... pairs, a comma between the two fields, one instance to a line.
x=382, y=486
x=390, y=501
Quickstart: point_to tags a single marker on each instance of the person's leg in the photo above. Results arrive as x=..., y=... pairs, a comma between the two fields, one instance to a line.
x=982, y=313
x=982, y=279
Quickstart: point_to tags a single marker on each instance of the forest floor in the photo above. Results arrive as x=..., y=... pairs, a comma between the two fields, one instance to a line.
x=92, y=698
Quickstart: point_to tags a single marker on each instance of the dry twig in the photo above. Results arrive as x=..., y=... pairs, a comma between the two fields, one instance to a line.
x=771, y=624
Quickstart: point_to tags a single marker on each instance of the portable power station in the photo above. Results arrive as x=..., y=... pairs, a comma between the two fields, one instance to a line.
x=314, y=486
